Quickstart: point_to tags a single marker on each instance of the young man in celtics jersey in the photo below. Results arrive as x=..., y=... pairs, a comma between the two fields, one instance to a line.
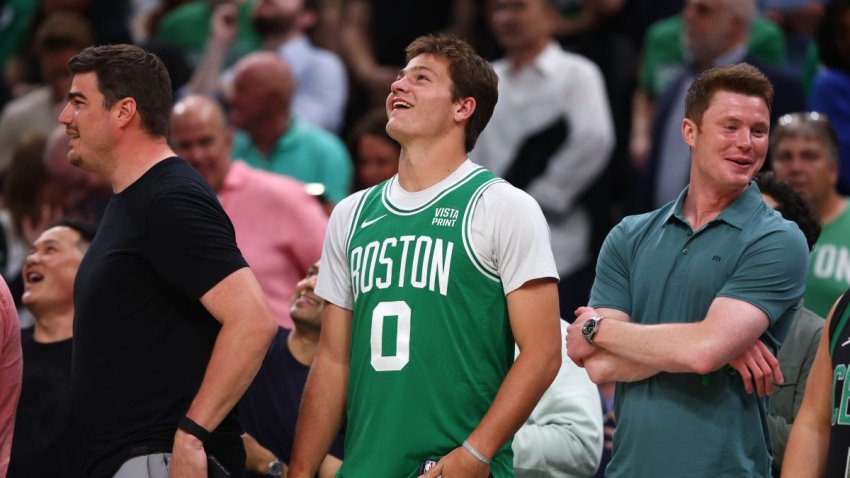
x=429, y=278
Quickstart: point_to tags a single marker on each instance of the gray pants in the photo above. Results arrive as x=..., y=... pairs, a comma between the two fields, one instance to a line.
x=156, y=465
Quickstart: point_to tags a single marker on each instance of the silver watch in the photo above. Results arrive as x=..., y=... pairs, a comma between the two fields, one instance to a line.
x=275, y=468
x=590, y=328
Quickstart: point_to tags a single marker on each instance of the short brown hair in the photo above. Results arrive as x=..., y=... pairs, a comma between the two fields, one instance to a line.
x=740, y=78
x=127, y=71
x=471, y=76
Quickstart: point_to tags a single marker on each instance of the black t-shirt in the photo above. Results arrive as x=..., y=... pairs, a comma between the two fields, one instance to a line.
x=142, y=339
x=45, y=440
x=269, y=408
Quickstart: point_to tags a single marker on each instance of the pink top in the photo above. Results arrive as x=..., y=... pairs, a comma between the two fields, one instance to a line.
x=11, y=371
x=279, y=229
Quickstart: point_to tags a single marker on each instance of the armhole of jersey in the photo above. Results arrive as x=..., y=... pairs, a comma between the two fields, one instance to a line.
x=356, y=216
x=466, y=232
x=836, y=327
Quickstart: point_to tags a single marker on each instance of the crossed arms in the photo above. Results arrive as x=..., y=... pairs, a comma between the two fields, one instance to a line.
x=624, y=351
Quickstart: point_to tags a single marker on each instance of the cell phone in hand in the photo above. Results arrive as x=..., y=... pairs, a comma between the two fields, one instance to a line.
x=215, y=469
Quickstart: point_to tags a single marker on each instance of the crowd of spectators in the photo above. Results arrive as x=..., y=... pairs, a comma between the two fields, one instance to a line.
x=280, y=105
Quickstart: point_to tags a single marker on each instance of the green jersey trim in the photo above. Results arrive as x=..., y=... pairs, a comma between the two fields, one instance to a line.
x=840, y=311
x=356, y=218
x=466, y=232
x=385, y=196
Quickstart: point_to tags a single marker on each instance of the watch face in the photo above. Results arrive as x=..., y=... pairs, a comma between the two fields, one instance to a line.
x=588, y=327
x=275, y=468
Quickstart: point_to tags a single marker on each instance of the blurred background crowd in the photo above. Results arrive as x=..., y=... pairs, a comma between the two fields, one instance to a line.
x=588, y=120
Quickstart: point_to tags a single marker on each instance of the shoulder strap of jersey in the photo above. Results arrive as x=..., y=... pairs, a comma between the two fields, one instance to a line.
x=466, y=231
x=358, y=209
x=839, y=320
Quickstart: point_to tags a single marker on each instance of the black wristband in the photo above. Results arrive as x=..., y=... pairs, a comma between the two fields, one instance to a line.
x=189, y=426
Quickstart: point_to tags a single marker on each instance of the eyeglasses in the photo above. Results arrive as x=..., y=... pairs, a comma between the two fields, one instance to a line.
x=802, y=117
x=804, y=123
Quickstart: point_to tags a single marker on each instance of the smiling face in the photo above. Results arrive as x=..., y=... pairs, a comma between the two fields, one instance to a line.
x=50, y=269
x=199, y=135
x=420, y=102
x=306, y=307
x=729, y=146
x=88, y=123
x=803, y=161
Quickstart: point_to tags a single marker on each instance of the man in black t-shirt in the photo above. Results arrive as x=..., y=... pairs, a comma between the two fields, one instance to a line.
x=46, y=438
x=170, y=324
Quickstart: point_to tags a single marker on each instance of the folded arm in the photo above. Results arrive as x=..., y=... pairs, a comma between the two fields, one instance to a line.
x=247, y=329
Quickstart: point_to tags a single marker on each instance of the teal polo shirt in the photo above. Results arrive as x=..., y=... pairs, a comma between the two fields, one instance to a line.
x=305, y=152
x=656, y=269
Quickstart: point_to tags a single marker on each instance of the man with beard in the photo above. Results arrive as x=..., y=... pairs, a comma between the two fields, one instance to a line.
x=321, y=84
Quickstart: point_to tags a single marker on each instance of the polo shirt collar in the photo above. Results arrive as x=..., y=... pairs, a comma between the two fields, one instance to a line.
x=736, y=214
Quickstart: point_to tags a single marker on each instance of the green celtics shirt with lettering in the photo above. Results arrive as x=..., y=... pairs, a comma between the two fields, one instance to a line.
x=426, y=275
x=829, y=265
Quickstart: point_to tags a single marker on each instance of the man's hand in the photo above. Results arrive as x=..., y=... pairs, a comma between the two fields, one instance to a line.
x=758, y=365
x=188, y=457
x=257, y=457
x=459, y=463
x=224, y=23
x=577, y=346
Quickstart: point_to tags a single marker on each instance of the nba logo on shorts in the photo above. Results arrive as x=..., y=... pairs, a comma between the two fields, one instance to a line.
x=426, y=465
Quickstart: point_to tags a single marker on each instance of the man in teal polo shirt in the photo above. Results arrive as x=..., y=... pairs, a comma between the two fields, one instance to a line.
x=710, y=279
x=269, y=138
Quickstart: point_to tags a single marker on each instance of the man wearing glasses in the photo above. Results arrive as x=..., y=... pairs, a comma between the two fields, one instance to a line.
x=805, y=155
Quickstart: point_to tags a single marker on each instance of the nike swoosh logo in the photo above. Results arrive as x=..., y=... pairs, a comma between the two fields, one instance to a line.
x=368, y=223
x=846, y=342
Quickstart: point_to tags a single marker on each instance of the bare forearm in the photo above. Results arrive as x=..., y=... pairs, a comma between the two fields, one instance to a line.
x=356, y=47
x=530, y=376
x=205, y=79
x=237, y=355
x=697, y=347
x=805, y=455
x=320, y=417
x=666, y=347
x=639, y=142
x=257, y=457
x=604, y=367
